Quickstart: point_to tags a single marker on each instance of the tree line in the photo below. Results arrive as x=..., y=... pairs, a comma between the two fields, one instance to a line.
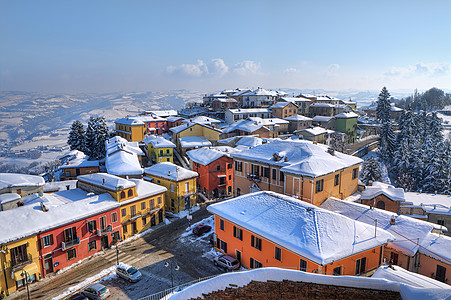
x=432, y=99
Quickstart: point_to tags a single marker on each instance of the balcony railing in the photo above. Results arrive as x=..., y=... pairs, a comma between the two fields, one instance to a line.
x=104, y=231
x=16, y=264
x=70, y=244
x=253, y=177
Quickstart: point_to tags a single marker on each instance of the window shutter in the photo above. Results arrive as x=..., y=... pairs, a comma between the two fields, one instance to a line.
x=51, y=239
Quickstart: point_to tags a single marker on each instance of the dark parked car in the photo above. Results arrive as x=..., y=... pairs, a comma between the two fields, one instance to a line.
x=96, y=291
x=201, y=229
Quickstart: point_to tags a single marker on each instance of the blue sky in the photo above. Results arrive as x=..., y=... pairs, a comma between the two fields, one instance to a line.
x=100, y=46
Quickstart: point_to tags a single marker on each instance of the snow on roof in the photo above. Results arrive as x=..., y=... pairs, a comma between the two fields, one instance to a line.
x=8, y=197
x=202, y=120
x=151, y=118
x=224, y=100
x=71, y=155
x=398, y=274
x=194, y=141
x=107, y=181
x=132, y=121
x=122, y=163
x=298, y=118
x=249, y=110
x=431, y=203
x=410, y=234
x=280, y=104
x=314, y=233
x=299, y=157
x=243, y=125
x=117, y=142
x=163, y=113
x=174, y=119
x=294, y=99
x=158, y=142
x=321, y=119
x=261, y=92
x=80, y=162
x=437, y=246
x=268, y=121
x=348, y=115
x=170, y=171
x=313, y=131
x=60, y=185
x=63, y=207
x=145, y=189
x=226, y=149
x=18, y=180
x=185, y=126
x=205, y=156
x=322, y=105
x=250, y=141
x=379, y=188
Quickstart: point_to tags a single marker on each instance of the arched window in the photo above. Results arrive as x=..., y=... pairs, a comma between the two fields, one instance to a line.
x=130, y=193
x=380, y=204
x=122, y=195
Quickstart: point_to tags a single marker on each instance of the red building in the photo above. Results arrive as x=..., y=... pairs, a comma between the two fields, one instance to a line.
x=215, y=168
x=78, y=230
x=174, y=122
x=155, y=124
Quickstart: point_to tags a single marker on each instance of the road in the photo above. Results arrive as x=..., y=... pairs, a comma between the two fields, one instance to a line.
x=148, y=254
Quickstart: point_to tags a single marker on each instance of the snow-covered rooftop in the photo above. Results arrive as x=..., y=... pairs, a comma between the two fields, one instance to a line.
x=18, y=180
x=205, y=156
x=398, y=274
x=60, y=185
x=122, y=163
x=294, y=99
x=348, y=115
x=379, y=188
x=249, y=110
x=158, y=142
x=8, y=197
x=324, y=105
x=268, y=121
x=202, y=120
x=224, y=100
x=261, y=92
x=132, y=121
x=313, y=131
x=194, y=141
x=170, y=171
x=314, y=233
x=411, y=235
x=185, y=126
x=107, y=181
x=63, y=207
x=299, y=157
x=298, y=118
x=163, y=113
x=249, y=141
x=243, y=125
x=431, y=203
x=174, y=119
x=280, y=105
x=321, y=119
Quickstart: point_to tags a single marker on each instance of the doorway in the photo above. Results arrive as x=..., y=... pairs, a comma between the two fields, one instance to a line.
x=104, y=242
x=48, y=265
x=238, y=255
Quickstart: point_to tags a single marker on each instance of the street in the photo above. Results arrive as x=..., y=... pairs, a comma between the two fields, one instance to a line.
x=149, y=255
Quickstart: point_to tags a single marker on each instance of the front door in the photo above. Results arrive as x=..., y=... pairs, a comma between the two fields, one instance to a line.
x=48, y=263
x=104, y=242
x=238, y=255
x=134, y=228
x=160, y=216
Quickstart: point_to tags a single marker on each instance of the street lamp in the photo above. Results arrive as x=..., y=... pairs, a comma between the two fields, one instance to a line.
x=26, y=275
x=166, y=264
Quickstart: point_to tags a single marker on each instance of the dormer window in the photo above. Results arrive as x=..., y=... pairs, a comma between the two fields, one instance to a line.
x=130, y=193
x=122, y=195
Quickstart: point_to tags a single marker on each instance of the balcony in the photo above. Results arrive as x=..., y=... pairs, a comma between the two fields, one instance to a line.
x=17, y=263
x=253, y=177
x=104, y=231
x=69, y=244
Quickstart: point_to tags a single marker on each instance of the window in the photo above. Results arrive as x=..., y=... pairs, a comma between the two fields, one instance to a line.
x=229, y=190
x=238, y=192
x=319, y=185
x=256, y=170
x=159, y=200
x=230, y=177
x=158, y=181
x=265, y=172
x=144, y=219
x=278, y=253
x=380, y=204
x=229, y=166
x=143, y=205
x=394, y=258
x=337, y=271
x=303, y=265
x=122, y=196
x=172, y=187
x=123, y=212
x=238, y=166
x=222, y=245
x=274, y=174
x=133, y=210
x=115, y=236
x=222, y=180
x=47, y=240
x=161, y=152
x=440, y=273
x=70, y=234
x=256, y=242
x=218, y=168
x=337, y=180
x=355, y=172
x=360, y=265
x=167, y=151
x=238, y=233
x=124, y=228
x=255, y=264
x=130, y=193
x=67, y=175
x=19, y=254
x=114, y=217
x=186, y=187
x=221, y=224
x=151, y=203
x=282, y=176
x=91, y=225
x=92, y=245
x=71, y=254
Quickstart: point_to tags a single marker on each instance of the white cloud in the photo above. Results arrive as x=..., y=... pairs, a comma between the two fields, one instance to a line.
x=291, y=71
x=218, y=67
x=420, y=69
x=246, y=67
x=333, y=68
x=191, y=70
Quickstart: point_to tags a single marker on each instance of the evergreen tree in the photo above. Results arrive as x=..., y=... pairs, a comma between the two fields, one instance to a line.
x=338, y=142
x=383, y=106
x=371, y=171
x=76, y=139
x=96, y=135
x=387, y=142
x=90, y=138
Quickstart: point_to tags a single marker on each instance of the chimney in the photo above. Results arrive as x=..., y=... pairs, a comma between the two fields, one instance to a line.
x=43, y=208
x=392, y=220
x=331, y=151
x=315, y=142
x=103, y=181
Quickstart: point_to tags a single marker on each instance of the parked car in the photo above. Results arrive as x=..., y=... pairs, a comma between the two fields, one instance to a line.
x=77, y=296
x=128, y=273
x=96, y=291
x=201, y=229
x=226, y=262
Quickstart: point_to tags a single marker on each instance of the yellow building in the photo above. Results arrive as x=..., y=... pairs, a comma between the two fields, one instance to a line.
x=131, y=128
x=159, y=149
x=194, y=129
x=315, y=134
x=142, y=202
x=284, y=110
x=18, y=258
x=181, y=185
x=299, y=169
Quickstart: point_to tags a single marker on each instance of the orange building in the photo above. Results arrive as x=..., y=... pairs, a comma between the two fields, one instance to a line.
x=284, y=110
x=215, y=170
x=267, y=229
x=300, y=169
